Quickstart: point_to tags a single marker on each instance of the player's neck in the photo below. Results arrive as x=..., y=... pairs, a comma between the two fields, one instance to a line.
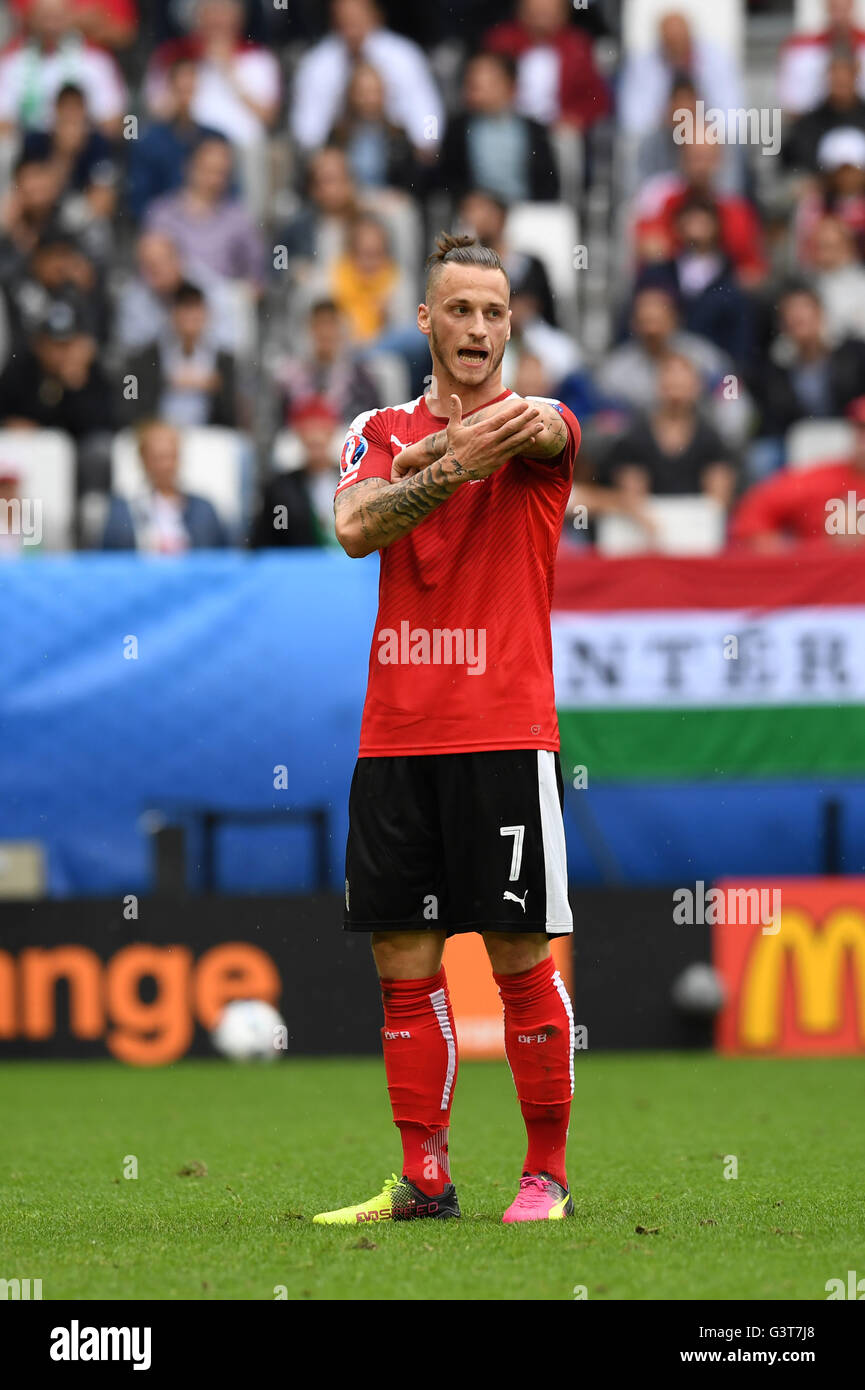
x=443, y=386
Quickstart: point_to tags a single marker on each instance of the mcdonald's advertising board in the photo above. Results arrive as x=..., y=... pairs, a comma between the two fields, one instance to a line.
x=795, y=975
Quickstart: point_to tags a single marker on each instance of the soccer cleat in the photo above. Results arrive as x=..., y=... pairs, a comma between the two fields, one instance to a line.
x=399, y=1200
x=540, y=1198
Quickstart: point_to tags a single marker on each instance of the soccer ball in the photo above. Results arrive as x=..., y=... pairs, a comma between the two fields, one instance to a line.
x=248, y=1030
x=699, y=990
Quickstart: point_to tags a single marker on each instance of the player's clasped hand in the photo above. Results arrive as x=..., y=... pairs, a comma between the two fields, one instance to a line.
x=482, y=445
x=485, y=441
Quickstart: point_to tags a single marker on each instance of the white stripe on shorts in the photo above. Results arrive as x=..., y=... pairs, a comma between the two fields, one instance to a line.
x=559, y=919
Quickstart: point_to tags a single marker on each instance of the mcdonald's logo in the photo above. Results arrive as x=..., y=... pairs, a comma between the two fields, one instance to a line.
x=802, y=989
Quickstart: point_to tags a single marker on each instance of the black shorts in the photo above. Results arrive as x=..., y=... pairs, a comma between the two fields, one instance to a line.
x=457, y=841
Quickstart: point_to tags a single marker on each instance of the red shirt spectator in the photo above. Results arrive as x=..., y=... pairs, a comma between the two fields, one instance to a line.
x=658, y=203
x=543, y=44
x=804, y=58
x=110, y=23
x=798, y=505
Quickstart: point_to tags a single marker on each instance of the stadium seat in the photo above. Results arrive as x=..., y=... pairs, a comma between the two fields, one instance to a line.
x=45, y=463
x=691, y=525
x=391, y=376
x=812, y=442
x=287, y=452
x=551, y=232
x=723, y=22
x=809, y=16
x=214, y=463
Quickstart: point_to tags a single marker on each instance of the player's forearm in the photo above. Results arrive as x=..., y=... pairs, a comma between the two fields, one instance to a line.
x=554, y=436
x=377, y=515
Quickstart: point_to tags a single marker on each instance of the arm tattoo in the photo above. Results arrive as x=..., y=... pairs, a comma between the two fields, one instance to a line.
x=555, y=435
x=387, y=511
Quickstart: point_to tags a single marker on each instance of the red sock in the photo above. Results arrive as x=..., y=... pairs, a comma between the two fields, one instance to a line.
x=539, y=1042
x=421, y=1063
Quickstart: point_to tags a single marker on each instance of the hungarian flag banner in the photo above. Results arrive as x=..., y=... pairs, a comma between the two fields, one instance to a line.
x=730, y=666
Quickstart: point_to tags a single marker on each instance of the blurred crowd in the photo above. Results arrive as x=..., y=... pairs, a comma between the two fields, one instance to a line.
x=214, y=216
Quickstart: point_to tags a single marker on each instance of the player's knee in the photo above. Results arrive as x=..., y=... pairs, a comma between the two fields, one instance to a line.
x=412, y=955
x=512, y=952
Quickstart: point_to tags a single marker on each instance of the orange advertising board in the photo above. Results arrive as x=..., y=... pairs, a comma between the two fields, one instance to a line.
x=796, y=982
x=475, y=998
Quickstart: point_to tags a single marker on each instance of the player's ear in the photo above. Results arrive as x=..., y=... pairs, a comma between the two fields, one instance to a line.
x=423, y=318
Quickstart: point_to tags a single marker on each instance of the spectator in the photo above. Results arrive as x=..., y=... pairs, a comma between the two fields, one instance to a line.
x=144, y=302
x=558, y=82
x=379, y=152
x=806, y=377
x=806, y=504
x=57, y=265
x=27, y=211
x=57, y=382
x=368, y=285
x=647, y=77
x=297, y=507
x=162, y=519
x=87, y=172
x=489, y=145
x=49, y=55
x=840, y=193
x=839, y=279
x=157, y=161
x=84, y=158
x=485, y=215
x=238, y=88
x=805, y=58
x=106, y=23
x=701, y=279
x=628, y=376
x=658, y=203
x=670, y=450
x=317, y=233
x=533, y=337
x=328, y=370
x=357, y=31
x=658, y=152
x=208, y=226
x=842, y=107
x=183, y=377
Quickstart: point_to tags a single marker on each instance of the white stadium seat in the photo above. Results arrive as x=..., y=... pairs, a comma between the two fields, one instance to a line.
x=812, y=442
x=551, y=232
x=45, y=463
x=684, y=526
x=213, y=464
x=287, y=452
x=722, y=22
x=809, y=16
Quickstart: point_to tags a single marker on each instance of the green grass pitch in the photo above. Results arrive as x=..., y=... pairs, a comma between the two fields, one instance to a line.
x=269, y=1146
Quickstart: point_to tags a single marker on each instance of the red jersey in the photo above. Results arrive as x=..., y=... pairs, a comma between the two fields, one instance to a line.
x=461, y=657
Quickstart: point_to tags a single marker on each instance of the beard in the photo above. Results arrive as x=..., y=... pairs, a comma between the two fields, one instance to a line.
x=455, y=369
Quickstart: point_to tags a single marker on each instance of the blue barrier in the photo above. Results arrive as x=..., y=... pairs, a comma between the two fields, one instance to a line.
x=246, y=663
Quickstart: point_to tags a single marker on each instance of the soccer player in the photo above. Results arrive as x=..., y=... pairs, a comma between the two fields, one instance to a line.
x=456, y=800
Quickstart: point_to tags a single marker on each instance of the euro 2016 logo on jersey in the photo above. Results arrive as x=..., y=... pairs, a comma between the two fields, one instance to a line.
x=353, y=450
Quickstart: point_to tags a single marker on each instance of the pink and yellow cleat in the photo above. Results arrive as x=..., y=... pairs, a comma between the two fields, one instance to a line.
x=540, y=1198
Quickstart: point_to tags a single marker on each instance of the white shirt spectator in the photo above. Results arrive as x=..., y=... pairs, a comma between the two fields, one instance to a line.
x=412, y=99
x=647, y=77
x=216, y=104
x=30, y=79
x=803, y=72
